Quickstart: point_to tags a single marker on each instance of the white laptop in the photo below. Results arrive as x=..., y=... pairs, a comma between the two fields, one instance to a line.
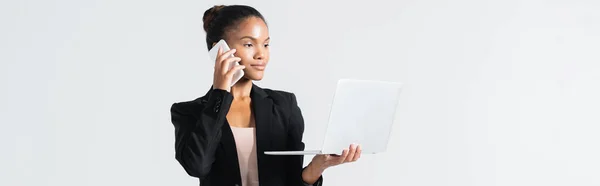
x=363, y=112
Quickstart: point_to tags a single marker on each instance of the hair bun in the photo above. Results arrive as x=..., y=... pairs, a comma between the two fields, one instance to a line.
x=210, y=14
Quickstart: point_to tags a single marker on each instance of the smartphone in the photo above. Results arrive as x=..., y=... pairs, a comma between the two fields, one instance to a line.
x=213, y=52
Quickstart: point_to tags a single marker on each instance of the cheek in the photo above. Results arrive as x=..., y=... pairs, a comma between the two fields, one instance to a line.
x=267, y=55
x=245, y=54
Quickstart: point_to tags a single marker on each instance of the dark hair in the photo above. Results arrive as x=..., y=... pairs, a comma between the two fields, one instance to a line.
x=219, y=18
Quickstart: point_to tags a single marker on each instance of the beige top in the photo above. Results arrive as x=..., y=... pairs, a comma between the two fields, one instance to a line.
x=245, y=141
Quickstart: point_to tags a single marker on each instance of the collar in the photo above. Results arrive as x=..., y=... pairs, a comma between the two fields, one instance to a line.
x=257, y=92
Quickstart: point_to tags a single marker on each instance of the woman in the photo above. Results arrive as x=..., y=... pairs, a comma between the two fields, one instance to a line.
x=221, y=137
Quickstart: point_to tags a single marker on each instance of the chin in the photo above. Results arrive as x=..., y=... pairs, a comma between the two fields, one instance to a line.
x=255, y=76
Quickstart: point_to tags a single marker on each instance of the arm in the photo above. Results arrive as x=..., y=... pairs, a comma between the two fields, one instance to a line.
x=310, y=175
x=196, y=138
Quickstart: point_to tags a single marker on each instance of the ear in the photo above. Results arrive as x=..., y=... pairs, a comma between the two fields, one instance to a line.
x=214, y=43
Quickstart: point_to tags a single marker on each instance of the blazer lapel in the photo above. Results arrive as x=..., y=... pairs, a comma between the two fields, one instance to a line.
x=263, y=109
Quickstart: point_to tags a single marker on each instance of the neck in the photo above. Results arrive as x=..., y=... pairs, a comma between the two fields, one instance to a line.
x=242, y=88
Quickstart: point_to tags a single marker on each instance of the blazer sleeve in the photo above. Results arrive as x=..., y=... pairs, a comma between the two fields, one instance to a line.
x=198, y=132
x=295, y=133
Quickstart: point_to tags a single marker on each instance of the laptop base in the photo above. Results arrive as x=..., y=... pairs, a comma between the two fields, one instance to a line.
x=307, y=152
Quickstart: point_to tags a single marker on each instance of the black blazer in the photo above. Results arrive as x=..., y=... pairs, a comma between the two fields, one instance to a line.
x=205, y=147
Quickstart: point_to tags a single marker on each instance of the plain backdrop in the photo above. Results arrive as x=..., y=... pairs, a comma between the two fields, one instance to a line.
x=496, y=92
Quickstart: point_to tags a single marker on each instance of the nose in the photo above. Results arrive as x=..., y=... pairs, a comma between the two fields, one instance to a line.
x=260, y=53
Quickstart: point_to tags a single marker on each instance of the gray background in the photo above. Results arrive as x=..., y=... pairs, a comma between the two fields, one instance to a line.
x=496, y=92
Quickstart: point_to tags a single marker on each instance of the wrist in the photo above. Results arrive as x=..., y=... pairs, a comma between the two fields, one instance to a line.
x=220, y=88
x=317, y=168
x=312, y=173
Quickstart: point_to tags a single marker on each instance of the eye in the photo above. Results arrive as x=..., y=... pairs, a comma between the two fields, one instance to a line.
x=248, y=45
x=266, y=45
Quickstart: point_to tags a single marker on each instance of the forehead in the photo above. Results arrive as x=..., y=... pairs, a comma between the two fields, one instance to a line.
x=252, y=26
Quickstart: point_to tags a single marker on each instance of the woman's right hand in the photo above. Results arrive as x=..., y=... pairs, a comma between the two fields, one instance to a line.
x=223, y=75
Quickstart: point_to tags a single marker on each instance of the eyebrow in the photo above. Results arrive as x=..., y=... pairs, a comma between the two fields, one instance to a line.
x=250, y=37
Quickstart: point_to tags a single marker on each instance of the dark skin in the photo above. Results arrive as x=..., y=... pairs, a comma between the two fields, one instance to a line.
x=249, y=42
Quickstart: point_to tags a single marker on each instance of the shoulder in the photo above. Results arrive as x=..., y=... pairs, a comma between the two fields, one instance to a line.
x=189, y=106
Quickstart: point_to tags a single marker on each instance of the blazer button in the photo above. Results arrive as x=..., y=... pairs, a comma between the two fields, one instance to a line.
x=217, y=105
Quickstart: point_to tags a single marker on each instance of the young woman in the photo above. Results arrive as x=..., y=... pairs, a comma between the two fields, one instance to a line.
x=221, y=137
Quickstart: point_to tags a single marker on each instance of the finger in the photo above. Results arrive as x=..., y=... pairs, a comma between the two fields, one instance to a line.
x=351, y=153
x=219, y=52
x=343, y=156
x=235, y=69
x=227, y=64
x=225, y=55
x=358, y=153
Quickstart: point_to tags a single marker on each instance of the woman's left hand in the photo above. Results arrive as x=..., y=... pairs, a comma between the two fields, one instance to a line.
x=325, y=161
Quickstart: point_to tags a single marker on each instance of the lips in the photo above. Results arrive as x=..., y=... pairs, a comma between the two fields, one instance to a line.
x=260, y=66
